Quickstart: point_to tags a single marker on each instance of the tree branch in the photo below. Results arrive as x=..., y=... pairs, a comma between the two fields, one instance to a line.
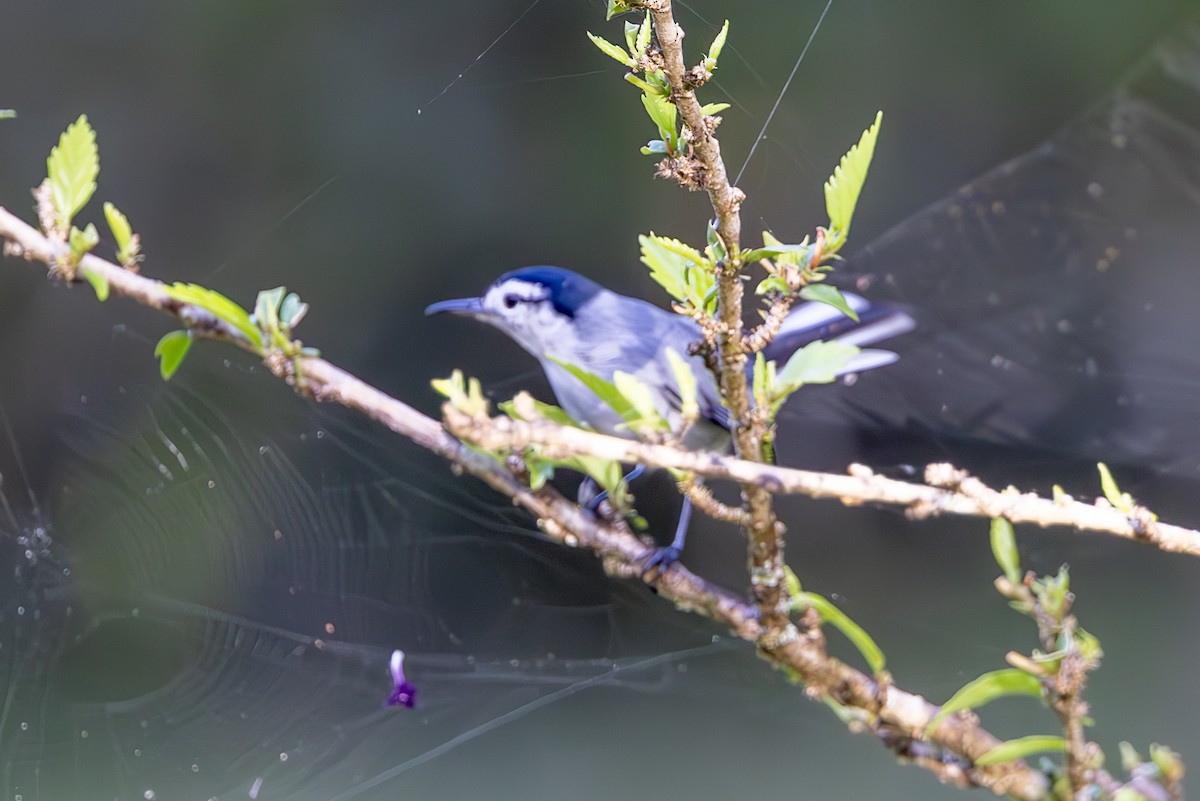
x=764, y=543
x=948, y=491
x=896, y=717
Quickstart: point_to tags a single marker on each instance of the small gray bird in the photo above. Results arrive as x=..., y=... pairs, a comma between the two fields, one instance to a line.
x=552, y=312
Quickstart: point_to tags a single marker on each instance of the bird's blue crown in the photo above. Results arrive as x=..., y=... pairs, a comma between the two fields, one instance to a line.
x=568, y=291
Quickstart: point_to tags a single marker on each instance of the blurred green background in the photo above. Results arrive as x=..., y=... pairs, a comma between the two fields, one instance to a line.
x=254, y=144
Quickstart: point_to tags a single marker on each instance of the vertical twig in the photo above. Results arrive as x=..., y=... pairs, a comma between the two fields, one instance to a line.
x=765, y=544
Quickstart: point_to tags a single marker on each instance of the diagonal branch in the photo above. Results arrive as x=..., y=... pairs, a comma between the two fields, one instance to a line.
x=898, y=718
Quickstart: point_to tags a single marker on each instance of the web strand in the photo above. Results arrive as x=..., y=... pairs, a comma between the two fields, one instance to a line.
x=786, y=85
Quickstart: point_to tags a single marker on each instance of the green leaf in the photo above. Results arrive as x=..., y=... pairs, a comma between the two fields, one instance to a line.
x=851, y=630
x=714, y=49
x=464, y=394
x=668, y=260
x=1122, y=501
x=99, y=282
x=655, y=147
x=1022, y=747
x=640, y=84
x=549, y=411
x=82, y=242
x=170, y=351
x=625, y=394
x=772, y=283
x=638, y=394
x=663, y=114
x=122, y=232
x=7, y=114
x=72, y=168
x=611, y=50
x=1004, y=549
x=709, y=109
x=266, y=308
x=217, y=305
x=816, y=363
x=761, y=385
x=616, y=7
x=643, y=38
x=843, y=187
x=685, y=381
x=716, y=247
x=631, y=32
x=604, y=390
x=292, y=310
x=830, y=296
x=985, y=689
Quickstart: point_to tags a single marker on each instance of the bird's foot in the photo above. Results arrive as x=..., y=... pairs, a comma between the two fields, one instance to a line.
x=662, y=559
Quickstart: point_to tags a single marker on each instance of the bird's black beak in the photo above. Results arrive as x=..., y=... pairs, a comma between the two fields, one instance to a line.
x=470, y=307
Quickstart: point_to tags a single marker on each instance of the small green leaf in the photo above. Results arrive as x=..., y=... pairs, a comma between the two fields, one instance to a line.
x=99, y=282
x=843, y=187
x=772, y=283
x=464, y=394
x=816, y=363
x=709, y=109
x=716, y=247
x=122, y=232
x=643, y=37
x=791, y=583
x=547, y=410
x=1022, y=747
x=72, y=168
x=1130, y=758
x=540, y=471
x=762, y=386
x=82, y=242
x=655, y=147
x=266, y=308
x=1088, y=644
x=685, y=381
x=985, y=689
x=851, y=630
x=611, y=50
x=170, y=350
x=662, y=113
x=1122, y=501
x=830, y=296
x=714, y=49
x=616, y=7
x=631, y=32
x=217, y=305
x=292, y=310
x=1004, y=548
x=640, y=84
x=642, y=399
x=7, y=114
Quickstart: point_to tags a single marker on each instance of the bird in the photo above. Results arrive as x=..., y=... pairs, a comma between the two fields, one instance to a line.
x=558, y=315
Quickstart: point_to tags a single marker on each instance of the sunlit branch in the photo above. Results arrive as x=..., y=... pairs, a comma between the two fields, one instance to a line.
x=947, y=491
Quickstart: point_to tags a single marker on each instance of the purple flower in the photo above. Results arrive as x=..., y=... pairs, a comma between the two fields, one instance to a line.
x=403, y=693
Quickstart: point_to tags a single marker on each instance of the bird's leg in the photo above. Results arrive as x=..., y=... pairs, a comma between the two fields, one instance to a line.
x=663, y=558
x=590, y=499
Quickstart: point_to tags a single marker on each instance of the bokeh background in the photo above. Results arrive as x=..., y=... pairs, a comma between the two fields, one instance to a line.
x=161, y=641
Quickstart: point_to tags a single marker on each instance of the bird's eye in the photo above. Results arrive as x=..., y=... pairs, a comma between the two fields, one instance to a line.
x=511, y=301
